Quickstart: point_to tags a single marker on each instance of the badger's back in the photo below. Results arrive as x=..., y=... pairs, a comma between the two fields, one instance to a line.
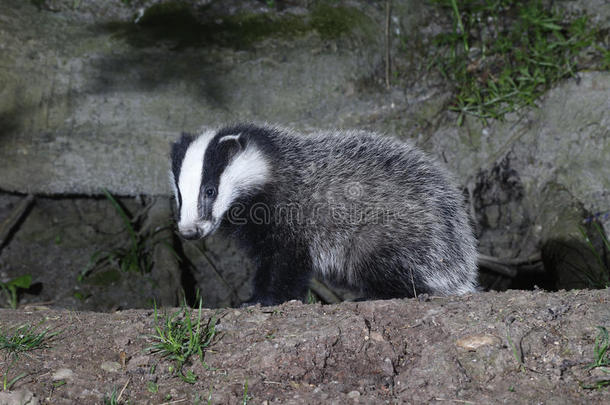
x=375, y=213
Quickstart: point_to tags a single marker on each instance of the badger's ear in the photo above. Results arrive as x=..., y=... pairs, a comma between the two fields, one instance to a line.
x=233, y=138
x=186, y=137
x=178, y=150
x=233, y=143
x=182, y=144
x=184, y=141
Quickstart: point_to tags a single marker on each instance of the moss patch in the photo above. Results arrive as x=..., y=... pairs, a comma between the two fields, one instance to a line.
x=246, y=29
x=332, y=22
x=184, y=26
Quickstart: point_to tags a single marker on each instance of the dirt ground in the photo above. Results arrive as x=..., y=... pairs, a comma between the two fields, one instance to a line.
x=512, y=347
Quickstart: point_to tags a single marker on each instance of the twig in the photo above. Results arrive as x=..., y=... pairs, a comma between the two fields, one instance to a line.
x=513, y=262
x=203, y=251
x=413, y=283
x=324, y=292
x=532, y=268
x=497, y=267
x=510, y=267
x=177, y=401
x=388, y=4
x=123, y=390
x=14, y=217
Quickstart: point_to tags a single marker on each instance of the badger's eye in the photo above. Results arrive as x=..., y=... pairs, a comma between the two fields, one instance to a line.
x=209, y=192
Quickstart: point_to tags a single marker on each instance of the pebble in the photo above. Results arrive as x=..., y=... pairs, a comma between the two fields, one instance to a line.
x=353, y=394
x=137, y=362
x=18, y=397
x=475, y=341
x=387, y=367
x=111, y=366
x=122, y=341
x=62, y=374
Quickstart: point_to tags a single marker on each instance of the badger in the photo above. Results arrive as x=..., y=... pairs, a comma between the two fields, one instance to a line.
x=362, y=211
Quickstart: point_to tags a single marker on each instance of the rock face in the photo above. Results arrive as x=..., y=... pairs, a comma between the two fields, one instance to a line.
x=535, y=179
x=91, y=94
x=91, y=99
x=62, y=237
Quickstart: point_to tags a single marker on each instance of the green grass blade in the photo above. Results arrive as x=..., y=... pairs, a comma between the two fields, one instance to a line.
x=124, y=217
x=13, y=381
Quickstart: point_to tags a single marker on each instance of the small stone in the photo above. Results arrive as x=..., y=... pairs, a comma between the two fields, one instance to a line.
x=62, y=374
x=111, y=366
x=18, y=397
x=475, y=341
x=600, y=372
x=376, y=336
x=387, y=367
x=122, y=341
x=137, y=362
x=353, y=394
x=423, y=297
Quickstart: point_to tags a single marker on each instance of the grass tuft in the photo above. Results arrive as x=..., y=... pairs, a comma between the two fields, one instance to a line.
x=601, y=349
x=112, y=398
x=246, y=397
x=178, y=338
x=602, y=359
x=24, y=339
x=503, y=54
x=21, y=340
x=516, y=353
x=136, y=255
x=11, y=288
x=598, y=275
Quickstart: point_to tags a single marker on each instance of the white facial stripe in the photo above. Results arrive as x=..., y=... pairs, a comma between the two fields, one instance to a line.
x=246, y=171
x=190, y=179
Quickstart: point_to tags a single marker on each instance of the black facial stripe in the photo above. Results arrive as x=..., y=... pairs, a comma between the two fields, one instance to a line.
x=177, y=153
x=216, y=159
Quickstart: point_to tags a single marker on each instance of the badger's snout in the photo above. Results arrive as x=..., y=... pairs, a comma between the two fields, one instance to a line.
x=191, y=234
x=196, y=231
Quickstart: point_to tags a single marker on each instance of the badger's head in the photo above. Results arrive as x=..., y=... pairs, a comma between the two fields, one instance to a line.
x=209, y=173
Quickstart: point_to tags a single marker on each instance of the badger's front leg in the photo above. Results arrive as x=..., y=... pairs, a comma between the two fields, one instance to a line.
x=282, y=274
